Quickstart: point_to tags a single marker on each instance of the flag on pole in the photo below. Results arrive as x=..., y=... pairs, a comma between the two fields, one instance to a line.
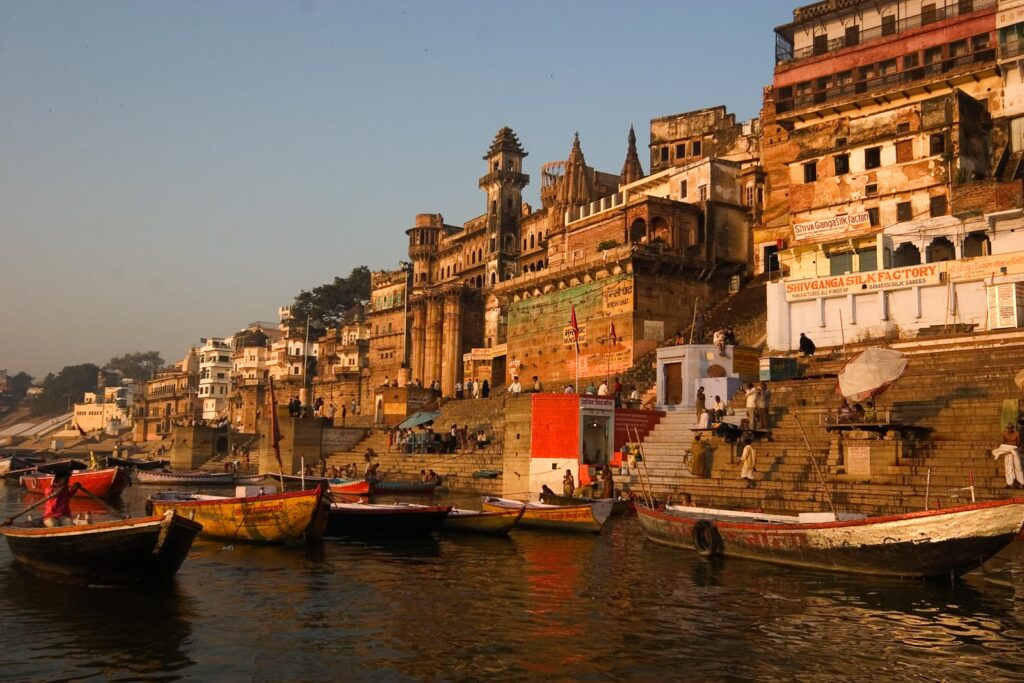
x=614, y=337
x=275, y=428
x=575, y=328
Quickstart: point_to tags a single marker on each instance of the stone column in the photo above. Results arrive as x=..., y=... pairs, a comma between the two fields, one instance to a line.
x=451, y=358
x=418, y=341
x=432, y=338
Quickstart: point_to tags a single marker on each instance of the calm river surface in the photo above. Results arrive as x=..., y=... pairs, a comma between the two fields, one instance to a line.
x=530, y=607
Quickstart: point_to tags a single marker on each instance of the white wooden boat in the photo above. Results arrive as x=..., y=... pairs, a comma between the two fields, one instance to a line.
x=586, y=517
x=192, y=478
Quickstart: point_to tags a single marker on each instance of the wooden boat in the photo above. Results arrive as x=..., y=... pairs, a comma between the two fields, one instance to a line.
x=406, y=488
x=144, y=550
x=14, y=463
x=619, y=505
x=379, y=520
x=586, y=517
x=298, y=479
x=251, y=479
x=350, y=487
x=271, y=518
x=138, y=464
x=106, y=483
x=495, y=523
x=930, y=543
x=192, y=478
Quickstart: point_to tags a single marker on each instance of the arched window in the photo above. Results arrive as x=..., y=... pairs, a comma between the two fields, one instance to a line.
x=906, y=255
x=941, y=249
x=638, y=230
x=531, y=240
x=494, y=278
x=661, y=231
x=524, y=244
x=977, y=244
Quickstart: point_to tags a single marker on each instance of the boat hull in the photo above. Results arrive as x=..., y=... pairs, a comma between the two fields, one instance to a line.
x=933, y=543
x=619, y=505
x=273, y=518
x=145, y=550
x=587, y=518
x=350, y=487
x=384, y=521
x=192, y=478
x=494, y=523
x=400, y=488
x=107, y=483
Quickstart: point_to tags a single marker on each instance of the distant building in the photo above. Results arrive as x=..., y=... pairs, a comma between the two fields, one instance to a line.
x=386, y=318
x=215, y=369
x=110, y=411
x=171, y=396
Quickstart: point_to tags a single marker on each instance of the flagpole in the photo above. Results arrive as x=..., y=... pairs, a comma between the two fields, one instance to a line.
x=577, y=366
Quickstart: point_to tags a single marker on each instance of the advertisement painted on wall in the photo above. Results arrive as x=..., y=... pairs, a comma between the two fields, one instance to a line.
x=982, y=267
x=833, y=227
x=864, y=283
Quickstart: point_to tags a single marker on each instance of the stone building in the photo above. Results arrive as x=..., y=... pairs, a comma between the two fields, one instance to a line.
x=251, y=360
x=215, y=367
x=170, y=397
x=493, y=298
x=386, y=319
x=342, y=364
x=886, y=149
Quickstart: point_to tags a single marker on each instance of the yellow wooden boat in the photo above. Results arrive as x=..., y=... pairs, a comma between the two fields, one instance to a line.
x=587, y=517
x=494, y=522
x=270, y=518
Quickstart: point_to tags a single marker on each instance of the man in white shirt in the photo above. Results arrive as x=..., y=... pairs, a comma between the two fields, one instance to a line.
x=603, y=389
x=515, y=388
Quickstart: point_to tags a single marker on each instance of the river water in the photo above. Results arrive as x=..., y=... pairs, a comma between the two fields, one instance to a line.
x=529, y=607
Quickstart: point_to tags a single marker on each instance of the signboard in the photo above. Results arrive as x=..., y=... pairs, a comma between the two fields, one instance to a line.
x=834, y=227
x=618, y=297
x=864, y=283
x=597, y=404
x=857, y=459
x=1005, y=305
x=982, y=267
x=477, y=354
x=567, y=335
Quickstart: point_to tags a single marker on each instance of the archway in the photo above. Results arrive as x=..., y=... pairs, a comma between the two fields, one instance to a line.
x=941, y=249
x=976, y=244
x=906, y=254
x=638, y=230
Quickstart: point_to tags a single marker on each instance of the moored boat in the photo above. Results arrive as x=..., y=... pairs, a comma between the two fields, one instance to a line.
x=14, y=463
x=495, y=523
x=929, y=543
x=144, y=550
x=137, y=464
x=619, y=505
x=586, y=517
x=193, y=478
x=269, y=518
x=251, y=479
x=350, y=487
x=408, y=488
x=105, y=483
x=384, y=520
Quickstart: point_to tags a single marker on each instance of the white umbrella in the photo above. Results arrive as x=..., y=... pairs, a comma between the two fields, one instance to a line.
x=870, y=373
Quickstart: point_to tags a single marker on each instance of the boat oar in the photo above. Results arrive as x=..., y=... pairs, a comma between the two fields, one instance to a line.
x=30, y=508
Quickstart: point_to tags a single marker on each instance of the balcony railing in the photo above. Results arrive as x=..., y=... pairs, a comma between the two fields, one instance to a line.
x=885, y=83
x=784, y=51
x=1011, y=49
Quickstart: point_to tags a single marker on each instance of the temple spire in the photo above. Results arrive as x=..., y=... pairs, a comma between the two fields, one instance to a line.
x=631, y=169
x=577, y=185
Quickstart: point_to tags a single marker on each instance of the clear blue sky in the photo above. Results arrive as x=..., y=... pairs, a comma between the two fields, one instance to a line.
x=175, y=170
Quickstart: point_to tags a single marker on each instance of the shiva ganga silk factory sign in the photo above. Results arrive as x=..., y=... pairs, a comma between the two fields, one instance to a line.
x=823, y=229
x=864, y=283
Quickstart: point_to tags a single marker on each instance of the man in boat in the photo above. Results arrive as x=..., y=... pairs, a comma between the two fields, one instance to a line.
x=607, y=483
x=568, y=483
x=58, y=508
x=1010, y=449
x=748, y=462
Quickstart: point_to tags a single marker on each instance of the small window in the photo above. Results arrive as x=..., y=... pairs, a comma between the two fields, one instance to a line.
x=664, y=153
x=965, y=6
x=980, y=42
x=903, y=212
x=928, y=14
x=911, y=61
x=871, y=189
x=682, y=189
x=887, y=67
x=936, y=144
x=937, y=206
x=840, y=263
x=695, y=148
x=902, y=127
x=904, y=151
x=933, y=54
x=873, y=216
x=958, y=48
x=681, y=150
x=852, y=36
x=867, y=260
x=888, y=24
x=810, y=172
x=842, y=163
x=820, y=45
x=872, y=157
x=840, y=143
x=703, y=192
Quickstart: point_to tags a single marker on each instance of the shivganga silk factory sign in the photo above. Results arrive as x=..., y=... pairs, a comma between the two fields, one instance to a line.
x=833, y=227
x=864, y=283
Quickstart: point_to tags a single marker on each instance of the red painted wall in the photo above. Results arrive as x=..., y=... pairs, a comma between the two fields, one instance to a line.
x=555, y=424
x=629, y=422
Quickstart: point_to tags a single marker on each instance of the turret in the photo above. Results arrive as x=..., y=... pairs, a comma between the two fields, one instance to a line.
x=424, y=238
x=503, y=183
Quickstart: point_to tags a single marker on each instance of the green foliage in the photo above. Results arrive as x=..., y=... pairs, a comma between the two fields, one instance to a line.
x=18, y=385
x=66, y=388
x=327, y=305
x=139, y=366
x=607, y=244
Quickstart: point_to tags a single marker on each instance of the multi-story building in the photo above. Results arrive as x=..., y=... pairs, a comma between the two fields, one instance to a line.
x=629, y=254
x=251, y=359
x=109, y=409
x=386, y=319
x=170, y=397
x=342, y=367
x=883, y=153
x=215, y=369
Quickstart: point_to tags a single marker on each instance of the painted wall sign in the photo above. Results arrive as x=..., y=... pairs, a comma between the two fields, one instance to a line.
x=845, y=225
x=982, y=267
x=485, y=354
x=618, y=297
x=863, y=283
x=568, y=337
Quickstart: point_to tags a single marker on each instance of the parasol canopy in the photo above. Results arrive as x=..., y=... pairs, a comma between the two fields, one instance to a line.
x=417, y=419
x=870, y=373
x=1019, y=380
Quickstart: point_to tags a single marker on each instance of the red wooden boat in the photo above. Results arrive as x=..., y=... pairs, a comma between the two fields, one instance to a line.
x=107, y=483
x=930, y=543
x=350, y=487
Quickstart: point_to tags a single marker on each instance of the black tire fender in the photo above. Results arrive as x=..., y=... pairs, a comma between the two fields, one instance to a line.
x=706, y=539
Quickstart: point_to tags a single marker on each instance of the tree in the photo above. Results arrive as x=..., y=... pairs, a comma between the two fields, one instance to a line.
x=18, y=385
x=327, y=305
x=139, y=366
x=66, y=388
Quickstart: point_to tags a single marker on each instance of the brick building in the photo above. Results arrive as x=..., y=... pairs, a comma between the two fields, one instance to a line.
x=170, y=397
x=887, y=148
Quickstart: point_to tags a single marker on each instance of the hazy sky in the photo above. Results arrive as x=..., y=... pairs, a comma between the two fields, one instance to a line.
x=175, y=170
